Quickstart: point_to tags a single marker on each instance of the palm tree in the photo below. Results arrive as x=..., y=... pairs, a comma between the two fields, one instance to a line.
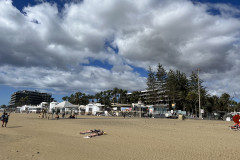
x=224, y=100
x=78, y=97
x=124, y=96
x=97, y=96
x=114, y=95
x=66, y=98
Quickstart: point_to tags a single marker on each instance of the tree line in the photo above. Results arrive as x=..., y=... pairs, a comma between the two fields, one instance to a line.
x=107, y=97
x=174, y=87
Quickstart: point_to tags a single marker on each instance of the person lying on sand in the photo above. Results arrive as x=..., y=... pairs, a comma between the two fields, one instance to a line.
x=236, y=125
x=91, y=131
x=96, y=134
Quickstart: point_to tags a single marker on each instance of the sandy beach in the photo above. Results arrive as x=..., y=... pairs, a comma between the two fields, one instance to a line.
x=30, y=138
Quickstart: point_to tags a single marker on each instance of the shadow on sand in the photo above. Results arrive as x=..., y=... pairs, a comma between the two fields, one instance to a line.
x=14, y=127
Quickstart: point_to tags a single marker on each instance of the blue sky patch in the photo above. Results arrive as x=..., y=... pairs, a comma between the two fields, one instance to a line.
x=97, y=63
x=139, y=70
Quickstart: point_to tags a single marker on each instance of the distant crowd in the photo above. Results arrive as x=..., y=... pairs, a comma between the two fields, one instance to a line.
x=45, y=114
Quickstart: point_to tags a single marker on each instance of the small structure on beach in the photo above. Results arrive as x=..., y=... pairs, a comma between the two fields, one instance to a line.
x=66, y=106
x=82, y=109
x=52, y=106
x=93, y=108
x=122, y=107
x=32, y=109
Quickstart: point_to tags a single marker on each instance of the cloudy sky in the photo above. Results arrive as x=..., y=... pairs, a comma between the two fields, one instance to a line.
x=89, y=46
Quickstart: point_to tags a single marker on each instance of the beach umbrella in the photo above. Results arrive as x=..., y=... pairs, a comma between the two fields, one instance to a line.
x=236, y=118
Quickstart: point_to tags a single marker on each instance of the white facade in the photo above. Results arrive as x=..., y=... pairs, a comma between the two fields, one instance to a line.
x=24, y=108
x=94, y=108
x=43, y=105
x=35, y=109
x=30, y=109
x=52, y=105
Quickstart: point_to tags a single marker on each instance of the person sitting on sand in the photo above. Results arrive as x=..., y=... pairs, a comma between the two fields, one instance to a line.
x=57, y=116
x=40, y=115
x=71, y=116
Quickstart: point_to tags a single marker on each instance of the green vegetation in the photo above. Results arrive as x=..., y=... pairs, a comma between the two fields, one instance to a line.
x=171, y=87
x=183, y=91
x=104, y=97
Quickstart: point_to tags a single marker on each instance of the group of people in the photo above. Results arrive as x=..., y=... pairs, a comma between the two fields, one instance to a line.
x=47, y=115
x=4, y=119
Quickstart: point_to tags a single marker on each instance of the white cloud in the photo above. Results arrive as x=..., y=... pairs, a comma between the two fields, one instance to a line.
x=41, y=44
x=89, y=79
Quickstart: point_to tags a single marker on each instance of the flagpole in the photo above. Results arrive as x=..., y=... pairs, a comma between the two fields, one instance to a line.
x=199, y=97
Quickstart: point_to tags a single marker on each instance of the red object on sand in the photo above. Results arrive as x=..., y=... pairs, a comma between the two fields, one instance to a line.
x=236, y=118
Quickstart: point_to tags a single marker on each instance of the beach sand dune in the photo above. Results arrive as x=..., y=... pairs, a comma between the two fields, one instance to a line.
x=28, y=137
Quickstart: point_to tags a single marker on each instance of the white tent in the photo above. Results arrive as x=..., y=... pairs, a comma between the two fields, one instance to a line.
x=66, y=106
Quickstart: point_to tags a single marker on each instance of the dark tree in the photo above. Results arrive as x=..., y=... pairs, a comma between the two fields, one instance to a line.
x=151, y=86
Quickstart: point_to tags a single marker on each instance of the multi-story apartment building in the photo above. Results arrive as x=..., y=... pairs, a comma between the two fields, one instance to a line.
x=33, y=97
x=157, y=99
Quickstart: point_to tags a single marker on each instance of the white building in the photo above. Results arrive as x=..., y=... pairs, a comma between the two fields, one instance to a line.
x=30, y=109
x=82, y=109
x=33, y=108
x=52, y=105
x=93, y=108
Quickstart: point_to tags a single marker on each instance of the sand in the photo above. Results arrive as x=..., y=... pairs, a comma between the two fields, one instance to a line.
x=28, y=138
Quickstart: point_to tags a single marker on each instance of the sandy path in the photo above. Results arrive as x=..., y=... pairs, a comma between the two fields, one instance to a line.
x=28, y=137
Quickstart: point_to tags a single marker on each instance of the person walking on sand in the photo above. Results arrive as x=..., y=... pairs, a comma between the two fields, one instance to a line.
x=63, y=114
x=4, y=119
x=124, y=115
